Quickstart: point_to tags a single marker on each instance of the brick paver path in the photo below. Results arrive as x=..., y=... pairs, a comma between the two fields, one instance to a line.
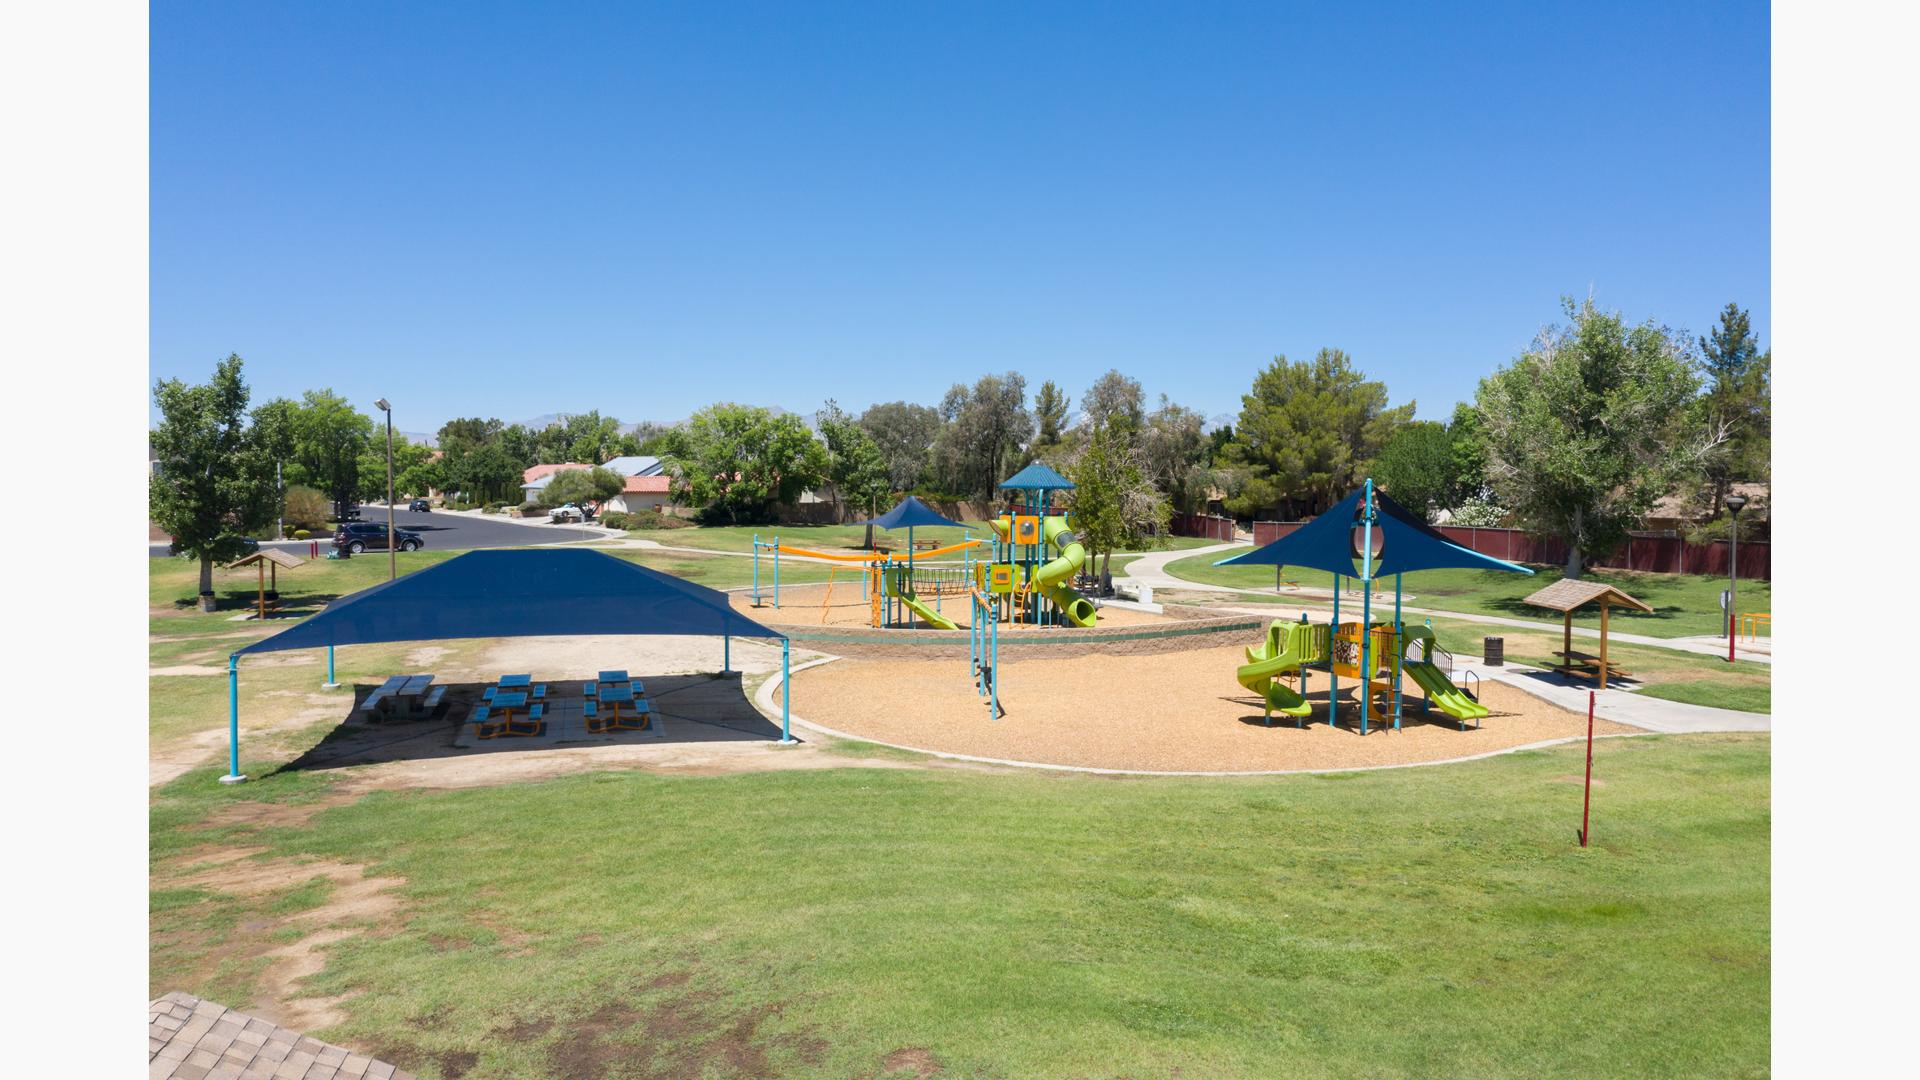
x=191, y=1039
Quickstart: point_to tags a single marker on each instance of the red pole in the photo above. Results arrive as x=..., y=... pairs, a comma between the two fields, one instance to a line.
x=1587, y=803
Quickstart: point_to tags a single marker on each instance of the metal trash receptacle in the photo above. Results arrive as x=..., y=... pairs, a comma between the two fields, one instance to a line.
x=1494, y=651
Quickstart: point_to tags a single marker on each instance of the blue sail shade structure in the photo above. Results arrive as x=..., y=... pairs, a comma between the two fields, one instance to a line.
x=1396, y=541
x=911, y=513
x=524, y=592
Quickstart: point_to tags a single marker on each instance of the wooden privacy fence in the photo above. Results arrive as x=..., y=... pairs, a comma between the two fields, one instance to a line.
x=1210, y=526
x=1652, y=552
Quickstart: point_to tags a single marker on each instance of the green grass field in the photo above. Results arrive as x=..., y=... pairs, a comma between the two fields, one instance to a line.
x=831, y=923
x=1683, y=604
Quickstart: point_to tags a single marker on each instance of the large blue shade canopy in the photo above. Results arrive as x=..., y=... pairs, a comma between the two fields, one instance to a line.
x=910, y=514
x=1404, y=543
x=529, y=592
x=1035, y=477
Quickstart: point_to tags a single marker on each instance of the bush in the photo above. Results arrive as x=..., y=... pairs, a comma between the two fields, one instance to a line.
x=306, y=508
x=654, y=519
x=614, y=519
x=302, y=534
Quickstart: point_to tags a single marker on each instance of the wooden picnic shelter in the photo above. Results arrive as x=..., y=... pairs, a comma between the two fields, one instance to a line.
x=265, y=560
x=1569, y=595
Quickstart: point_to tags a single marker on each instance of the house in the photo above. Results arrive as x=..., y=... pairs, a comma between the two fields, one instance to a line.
x=1674, y=514
x=652, y=492
x=636, y=465
x=535, y=479
x=632, y=467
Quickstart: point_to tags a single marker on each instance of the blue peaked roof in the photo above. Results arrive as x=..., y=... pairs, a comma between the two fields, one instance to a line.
x=1406, y=543
x=524, y=592
x=1035, y=477
x=911, y=513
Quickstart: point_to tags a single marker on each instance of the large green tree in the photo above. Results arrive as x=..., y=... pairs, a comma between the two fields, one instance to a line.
x=578, y=486
x=986, y=434
x=1416, y=467
x=213, y=482
x=854, y=462
x=1174, y=452
x=1592, y=425
x=408, y=457
x=1050, y=413
x=1739, y=400
x=904, y=433
x=1114, y=504
x=738, y=463
x=1306, y=434
x=1114, y=400
x=329, y=439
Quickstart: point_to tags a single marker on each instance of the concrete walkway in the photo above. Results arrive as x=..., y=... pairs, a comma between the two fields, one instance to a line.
x=1620, y=706
x=1151, y=570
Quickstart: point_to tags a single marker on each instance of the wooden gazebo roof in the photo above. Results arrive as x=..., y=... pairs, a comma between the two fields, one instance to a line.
x=272, y=555
x=1566, y=595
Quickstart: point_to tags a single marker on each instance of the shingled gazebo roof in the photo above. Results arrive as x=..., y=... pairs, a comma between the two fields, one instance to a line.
x=272, y=555
x=1568, y=594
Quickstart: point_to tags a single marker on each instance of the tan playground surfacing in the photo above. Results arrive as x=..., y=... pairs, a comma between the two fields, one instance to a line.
x=1176, y=712
x=842, y=604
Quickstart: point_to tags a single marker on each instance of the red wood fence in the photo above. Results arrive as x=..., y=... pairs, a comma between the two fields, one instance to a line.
x=1210, y=526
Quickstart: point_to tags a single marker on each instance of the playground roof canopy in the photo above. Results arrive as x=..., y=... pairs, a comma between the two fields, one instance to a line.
x=1035, y=477
x=525, y=592
x=1406, y=543
x=1567, y=594
x=910, y=514
x=272, y=555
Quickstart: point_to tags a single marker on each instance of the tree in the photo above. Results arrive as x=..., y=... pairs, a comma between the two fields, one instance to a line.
x=407, y=458
x=1469, y=453
x=214, y=480
x=306, y=508
x=1113, y=504
x=1416, y=467
x=1592, y=425
x=984, y=442
x=904, y=434
x=1114, y=400
x=1739, y=399
x=1173, y=454
x=738, y=462
x=577, y=486
x=1050, y=411
x=1307, y=432
x=854, y=462
x=329, y=438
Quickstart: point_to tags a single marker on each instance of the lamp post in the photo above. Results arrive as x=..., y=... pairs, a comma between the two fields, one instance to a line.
x=1735, y=503
x=393, y=560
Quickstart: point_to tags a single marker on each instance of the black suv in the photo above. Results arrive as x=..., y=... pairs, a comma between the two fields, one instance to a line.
x=359, y=536
x=419, y=506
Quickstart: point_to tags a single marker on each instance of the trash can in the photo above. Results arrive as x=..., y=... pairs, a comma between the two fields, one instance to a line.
x=1494, y=651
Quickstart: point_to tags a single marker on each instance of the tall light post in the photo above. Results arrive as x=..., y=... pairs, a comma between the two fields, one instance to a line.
x=393, y=560
x=1735, y=503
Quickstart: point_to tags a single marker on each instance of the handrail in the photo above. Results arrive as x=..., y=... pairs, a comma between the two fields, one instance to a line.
x=1469, y=690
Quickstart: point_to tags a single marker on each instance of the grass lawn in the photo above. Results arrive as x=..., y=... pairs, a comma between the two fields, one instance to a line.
x=1683, y=604
x=853, y=921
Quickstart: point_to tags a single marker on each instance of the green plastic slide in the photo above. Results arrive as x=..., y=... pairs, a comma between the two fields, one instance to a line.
x=1288, y=645
x=1440, y=690
x=1050, y=580
x=927, y=614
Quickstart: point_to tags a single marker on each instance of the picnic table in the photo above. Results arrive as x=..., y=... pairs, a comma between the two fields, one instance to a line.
x=1590, y=664
x=512, y=682
x=407, y=694
x=603, y=709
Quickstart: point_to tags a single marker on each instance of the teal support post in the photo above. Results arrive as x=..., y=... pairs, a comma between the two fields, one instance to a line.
x=1366, y=607
x=776, y=573
x=726, y=654
x=756, y=569
x=786, y=693
x=1399, y=649
x=331, y=683
x=233, y=721
x=1333, y=645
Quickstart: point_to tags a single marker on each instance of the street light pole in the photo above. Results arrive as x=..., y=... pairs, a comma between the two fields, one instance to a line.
x=393, y=559
x=1735, y=503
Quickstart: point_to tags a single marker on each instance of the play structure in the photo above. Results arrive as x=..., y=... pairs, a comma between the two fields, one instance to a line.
x=1365, y=537
x=1021, y=575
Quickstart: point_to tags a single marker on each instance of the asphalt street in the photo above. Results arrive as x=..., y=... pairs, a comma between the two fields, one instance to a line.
x=444, y=532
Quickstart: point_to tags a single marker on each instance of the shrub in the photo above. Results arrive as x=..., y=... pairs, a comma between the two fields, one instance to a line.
x=614, y=519
x=302, y=534
x=654, y=519
x=306, y=508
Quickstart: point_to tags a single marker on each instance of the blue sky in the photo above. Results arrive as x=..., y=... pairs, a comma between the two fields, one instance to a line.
x=510, y=210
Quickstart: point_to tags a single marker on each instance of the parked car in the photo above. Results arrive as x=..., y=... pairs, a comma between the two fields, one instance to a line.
x=569, y=512
x=355, y=537
x=419, y=506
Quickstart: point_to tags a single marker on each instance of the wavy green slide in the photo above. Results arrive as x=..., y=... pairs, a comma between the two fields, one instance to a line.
x=905, y=595
x=1288, y=645
x=1050, y=580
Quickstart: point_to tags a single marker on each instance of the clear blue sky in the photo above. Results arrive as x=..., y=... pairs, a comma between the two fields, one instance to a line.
x=507, y=210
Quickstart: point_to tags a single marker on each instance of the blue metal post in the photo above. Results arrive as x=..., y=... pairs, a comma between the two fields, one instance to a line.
x=786, y=693
x=756, y=569
x=1366, y=607
x=1399, y=649
x=331, y=682
x=776, y=573
x=1333, y=647
x=233, y=721
x=726, y=653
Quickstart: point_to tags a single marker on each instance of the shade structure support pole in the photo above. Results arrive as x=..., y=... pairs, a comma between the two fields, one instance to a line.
x=1333, y=673
x=233, y=721
x=786, y=693
x=1399, y=649
x=756, y=569
x=776, y=573
x=1366, y=609
x=331, y=683
x=726, y=654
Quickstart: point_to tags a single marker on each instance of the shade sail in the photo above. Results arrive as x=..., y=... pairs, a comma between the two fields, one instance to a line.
x=528, y=592
x=1405, y=543
x=1035, y=477
x=911, y=513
